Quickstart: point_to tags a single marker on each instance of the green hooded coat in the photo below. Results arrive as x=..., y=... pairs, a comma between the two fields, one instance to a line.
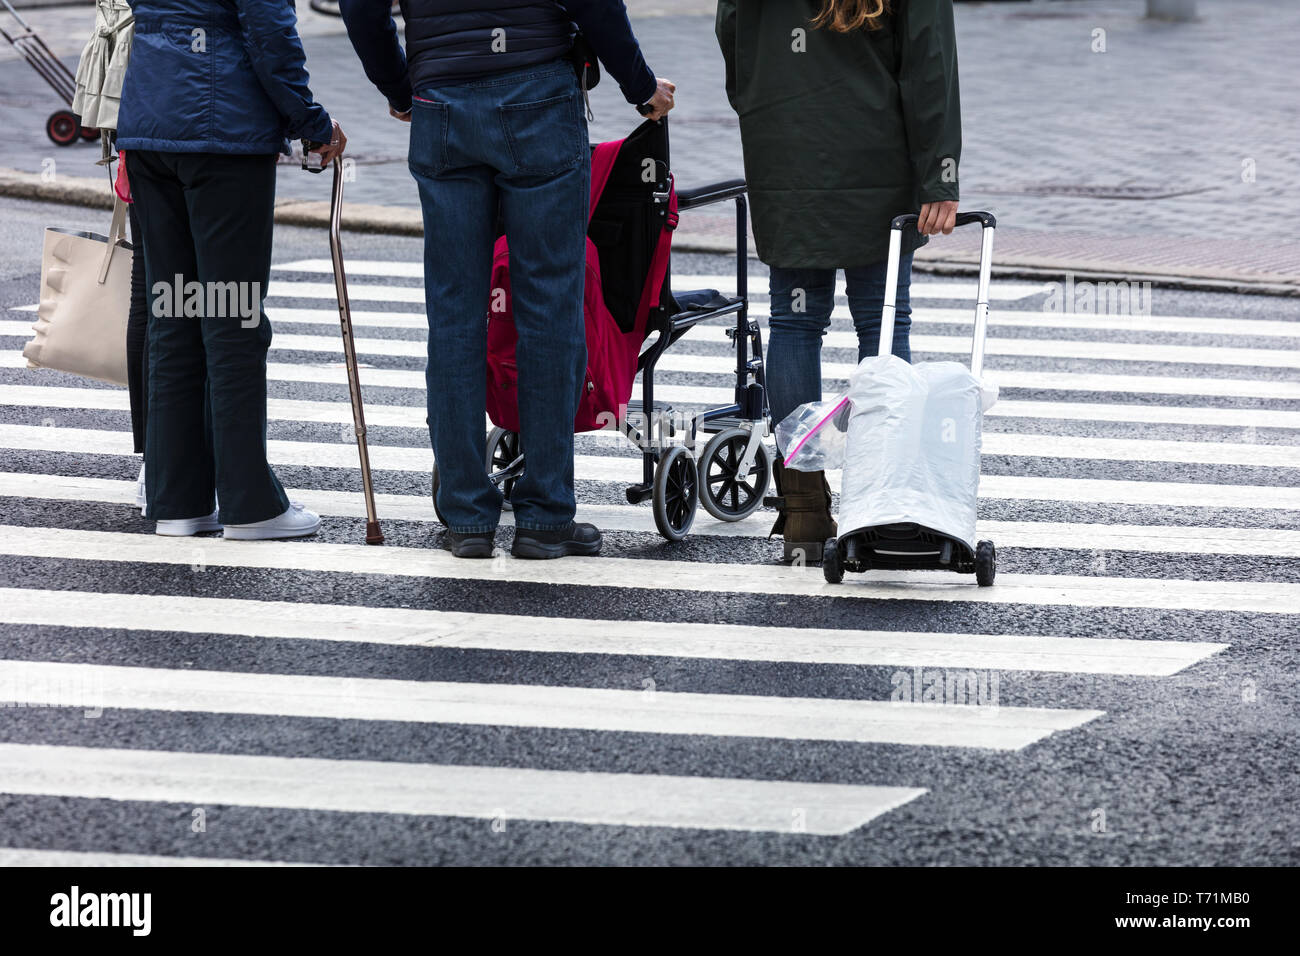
x=841, y=132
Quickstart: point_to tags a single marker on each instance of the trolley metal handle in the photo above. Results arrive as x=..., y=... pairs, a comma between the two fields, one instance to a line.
x=373, y=533
x=15, y=15
x=48, y=66
x=989, y=223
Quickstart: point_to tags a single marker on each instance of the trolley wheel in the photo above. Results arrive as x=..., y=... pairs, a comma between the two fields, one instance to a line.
x=986, y=563
x=62, y=127
x=436, y=510
x=723, y=495
x=503, y=447
x=89, y=133
x=832, y=562
x=676, y=493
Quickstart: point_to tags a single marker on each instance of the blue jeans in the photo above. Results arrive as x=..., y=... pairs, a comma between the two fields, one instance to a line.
x=514, y=141
x=802, y=300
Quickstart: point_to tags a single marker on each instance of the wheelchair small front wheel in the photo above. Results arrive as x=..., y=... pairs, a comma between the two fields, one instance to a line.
x=504, y=461
x=676, y=493
x=724, y=495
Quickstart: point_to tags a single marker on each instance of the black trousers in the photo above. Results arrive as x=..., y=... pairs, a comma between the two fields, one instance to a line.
x=207, y=221
x=137, y=331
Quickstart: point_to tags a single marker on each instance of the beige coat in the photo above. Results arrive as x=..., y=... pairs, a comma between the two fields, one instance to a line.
x=102, y=69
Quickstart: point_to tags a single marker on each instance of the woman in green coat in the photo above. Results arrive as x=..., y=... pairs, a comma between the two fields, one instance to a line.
x=849, y=115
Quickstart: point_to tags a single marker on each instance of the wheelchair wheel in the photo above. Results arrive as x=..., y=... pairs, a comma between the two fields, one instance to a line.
x=676, y=493
x=832, y=563
x=986, y=563
x=724, y=496
x=503, y=448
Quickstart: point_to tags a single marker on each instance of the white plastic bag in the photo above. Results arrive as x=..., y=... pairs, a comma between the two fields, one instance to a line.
x=912, y=450
x=812, y=436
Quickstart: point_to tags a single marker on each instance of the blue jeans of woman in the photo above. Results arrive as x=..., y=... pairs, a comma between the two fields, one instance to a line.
x=802, y=301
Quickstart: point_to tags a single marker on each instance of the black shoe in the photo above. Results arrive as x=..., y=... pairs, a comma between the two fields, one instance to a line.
x=574, y=538
x=470, y=545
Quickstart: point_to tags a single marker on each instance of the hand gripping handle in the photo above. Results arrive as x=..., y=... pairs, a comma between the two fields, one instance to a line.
x=989, y=223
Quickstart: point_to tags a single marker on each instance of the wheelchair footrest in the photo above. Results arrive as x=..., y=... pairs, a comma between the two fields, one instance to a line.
x=659, y=408
x=639, y=493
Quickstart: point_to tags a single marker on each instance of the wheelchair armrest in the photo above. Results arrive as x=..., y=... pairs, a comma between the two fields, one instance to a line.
x=714, y=192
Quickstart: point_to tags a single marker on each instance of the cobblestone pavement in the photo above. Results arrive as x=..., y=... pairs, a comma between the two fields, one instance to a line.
x=1186, y=112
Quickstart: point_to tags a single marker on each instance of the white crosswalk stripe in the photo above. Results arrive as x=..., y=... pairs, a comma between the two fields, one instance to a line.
x=1150, y=539
x=333, y=373
x=411, y=416
x=528, y=705
x=945, y=345
x=407, y=626
x=625, y=468
x=655, y=575
x=723, y=283
x=922, y=316
x=254, y=649
x=365, y=786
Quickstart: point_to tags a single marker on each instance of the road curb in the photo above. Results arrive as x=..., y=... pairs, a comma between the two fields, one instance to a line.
x=401, y=221
x=1080, y=271
x=95, y=194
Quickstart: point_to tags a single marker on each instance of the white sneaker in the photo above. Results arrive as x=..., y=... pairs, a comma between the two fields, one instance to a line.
x=297, y=522
x=140, y=500
x=183, y=527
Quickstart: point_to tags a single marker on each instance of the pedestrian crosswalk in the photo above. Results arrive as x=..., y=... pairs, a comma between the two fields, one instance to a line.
x=1141, y=481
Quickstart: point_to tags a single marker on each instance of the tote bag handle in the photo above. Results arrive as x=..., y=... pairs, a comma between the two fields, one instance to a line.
x=116, y=235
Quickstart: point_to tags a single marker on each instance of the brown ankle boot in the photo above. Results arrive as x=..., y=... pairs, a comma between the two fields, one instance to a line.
x=804, y=519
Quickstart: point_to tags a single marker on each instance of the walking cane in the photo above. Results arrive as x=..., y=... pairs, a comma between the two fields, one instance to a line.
x=373, y=534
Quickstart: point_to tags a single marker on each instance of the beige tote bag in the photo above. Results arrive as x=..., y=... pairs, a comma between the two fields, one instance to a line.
x=85, y=298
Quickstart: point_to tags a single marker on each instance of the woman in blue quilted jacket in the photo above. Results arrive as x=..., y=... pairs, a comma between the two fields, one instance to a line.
x=214, y=92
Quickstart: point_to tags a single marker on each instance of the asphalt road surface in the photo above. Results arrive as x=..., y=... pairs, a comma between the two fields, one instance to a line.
x=1132, y=673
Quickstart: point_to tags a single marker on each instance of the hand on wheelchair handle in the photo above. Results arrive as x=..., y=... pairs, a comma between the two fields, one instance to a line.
x=662, y=101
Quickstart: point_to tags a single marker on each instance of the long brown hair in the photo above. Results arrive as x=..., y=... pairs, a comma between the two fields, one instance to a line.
x=843, y=16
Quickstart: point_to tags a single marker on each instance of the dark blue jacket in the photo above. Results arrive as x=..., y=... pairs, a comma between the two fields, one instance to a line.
x=449, y=41
x=217, y=76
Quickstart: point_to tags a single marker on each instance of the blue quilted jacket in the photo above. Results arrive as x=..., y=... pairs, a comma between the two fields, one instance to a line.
x=217, y=76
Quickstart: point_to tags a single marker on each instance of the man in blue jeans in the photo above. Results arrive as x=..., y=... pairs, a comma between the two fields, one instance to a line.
x=496, y=114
